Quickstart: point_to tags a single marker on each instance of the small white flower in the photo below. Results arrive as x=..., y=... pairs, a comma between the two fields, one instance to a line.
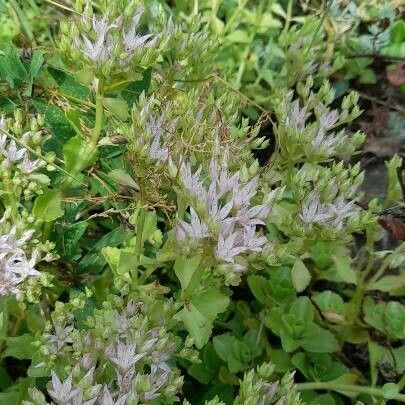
x=23, y=267
x=107, y=398
x=29, y=166
x=102, y=48
x=230, y=246
x=15, y=266
x=157, y=384
x=62, y=392
x=328, y=119
x=313, y=211
x=191, y=181
x=334, y=213
x=3, y=140
x=61, y=336
x=194, y=230
x=342, y=210
x=131, y=39
x=244, y=193
x=251, y=241
x=3, y=124
x=296, y=117
x=159, y=360
x=8, y=281
x=124, y=355
x=13, y=153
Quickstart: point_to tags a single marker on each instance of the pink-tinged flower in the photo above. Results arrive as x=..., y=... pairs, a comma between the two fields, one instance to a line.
x=334, y=213
x=156, y=150
x=342, y=210
x=102, y=48
x=124, y=355
x=230, y=246
x=328, y=119
x=194, y=230
x=252, y=241
x=13, y=153
x=29, y=166
x=15, y=266
x=296, y=116
x=62, y=392
x=313, y=211
x=215, y=211
x=230, y=218
x=131, y=39
x=107, y=398
x=253, y=216
x=8, y=281
x=244, y=193
x=158, y=381
x=191, y=181
x=60, y=337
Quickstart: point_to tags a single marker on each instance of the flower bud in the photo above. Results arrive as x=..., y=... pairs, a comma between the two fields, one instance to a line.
x=87, y=361
x=172, y=169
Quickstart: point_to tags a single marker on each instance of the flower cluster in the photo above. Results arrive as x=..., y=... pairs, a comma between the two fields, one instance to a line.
x=256, y=389
x=333, y=214
x=15, y=266
x=104, y=45
x=316, y=140
x=223, y=217
x=16, y=162
x=111, y=43
x=12, y=154
x=158, y=131
x=125, y=355
x=20, y=182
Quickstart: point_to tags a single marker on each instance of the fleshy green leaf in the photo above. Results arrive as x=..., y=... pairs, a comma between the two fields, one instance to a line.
x=20, y=347
x=300, y=276
x=48, y=206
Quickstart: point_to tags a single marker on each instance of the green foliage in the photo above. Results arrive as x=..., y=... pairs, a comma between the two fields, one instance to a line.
x=156, y=245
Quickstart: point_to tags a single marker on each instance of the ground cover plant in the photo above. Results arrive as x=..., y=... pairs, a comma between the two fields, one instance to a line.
x=185, y=215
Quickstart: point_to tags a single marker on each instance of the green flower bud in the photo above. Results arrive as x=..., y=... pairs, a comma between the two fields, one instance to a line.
x=172, y=169
x=254, y=167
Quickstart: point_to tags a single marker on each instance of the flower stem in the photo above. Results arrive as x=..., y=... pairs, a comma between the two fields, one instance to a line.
x=87, y=154
x=139, y=234
x=99, y=114
x=373, y=391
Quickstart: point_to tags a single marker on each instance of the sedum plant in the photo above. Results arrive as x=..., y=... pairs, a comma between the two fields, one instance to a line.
x=157, y=247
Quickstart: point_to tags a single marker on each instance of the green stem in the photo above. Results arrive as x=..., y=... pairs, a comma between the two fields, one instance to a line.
x=47, y=230
x=242, y=66
x=288, y=16
x=10, y=200
x=84, y=159
x=378, y=274
x=355, y=303
x=361, y=287
x=99, y=114
x=373, y=391
x=23, y=21
x=139, y=234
